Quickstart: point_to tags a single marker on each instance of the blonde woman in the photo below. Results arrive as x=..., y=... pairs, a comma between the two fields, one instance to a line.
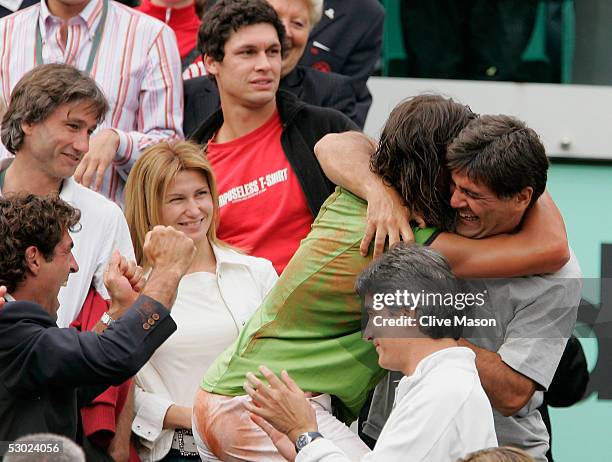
x=172, y=184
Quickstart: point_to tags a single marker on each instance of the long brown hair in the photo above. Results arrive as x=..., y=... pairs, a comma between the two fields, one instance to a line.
x=411, y=154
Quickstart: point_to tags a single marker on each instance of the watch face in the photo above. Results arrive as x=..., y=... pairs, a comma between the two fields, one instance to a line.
x=302, y=440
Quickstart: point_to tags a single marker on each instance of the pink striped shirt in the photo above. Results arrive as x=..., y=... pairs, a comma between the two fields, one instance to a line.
x=137, y=66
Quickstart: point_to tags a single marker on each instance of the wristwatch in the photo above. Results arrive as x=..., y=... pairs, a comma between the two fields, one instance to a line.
x=305, y=438
x=106, y=319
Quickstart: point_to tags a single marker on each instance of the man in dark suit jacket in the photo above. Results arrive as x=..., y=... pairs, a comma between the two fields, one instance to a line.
x=46, y=370
x=348, y=41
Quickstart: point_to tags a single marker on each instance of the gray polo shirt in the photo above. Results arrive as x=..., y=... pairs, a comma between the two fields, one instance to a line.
x=534, y=318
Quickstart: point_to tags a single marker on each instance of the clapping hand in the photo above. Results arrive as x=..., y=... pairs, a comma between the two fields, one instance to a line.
x=124, y=281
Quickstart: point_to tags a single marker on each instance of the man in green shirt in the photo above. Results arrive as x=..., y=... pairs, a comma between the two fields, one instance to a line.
x=310, y=323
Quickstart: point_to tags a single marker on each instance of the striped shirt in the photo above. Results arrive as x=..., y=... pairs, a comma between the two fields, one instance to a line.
x=137, y=65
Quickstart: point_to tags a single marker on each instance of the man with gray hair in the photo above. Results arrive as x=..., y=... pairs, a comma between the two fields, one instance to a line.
x=47, y=125
x=441, y=411
x=499, y=169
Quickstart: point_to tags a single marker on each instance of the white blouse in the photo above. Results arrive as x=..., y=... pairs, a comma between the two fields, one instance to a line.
x=207, y=323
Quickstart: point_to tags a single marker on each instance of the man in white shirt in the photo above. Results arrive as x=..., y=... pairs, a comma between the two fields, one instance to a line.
x=132, y=56
x=53, y=110
x=441, y=411
x=52, y=113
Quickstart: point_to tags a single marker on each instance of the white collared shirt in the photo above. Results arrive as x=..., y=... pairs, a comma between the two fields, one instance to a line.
x=441, y=413
x=209, y=311
x=102, y=230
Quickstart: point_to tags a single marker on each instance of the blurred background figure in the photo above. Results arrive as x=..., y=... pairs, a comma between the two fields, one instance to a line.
x=326, y=89
x=182, y=18
x=348, y=41
x=481, y=39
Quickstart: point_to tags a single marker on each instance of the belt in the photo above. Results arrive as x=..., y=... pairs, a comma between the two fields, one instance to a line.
x=184, y=442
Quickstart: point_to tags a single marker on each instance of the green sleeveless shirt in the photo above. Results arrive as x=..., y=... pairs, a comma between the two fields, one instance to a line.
x=310, y=322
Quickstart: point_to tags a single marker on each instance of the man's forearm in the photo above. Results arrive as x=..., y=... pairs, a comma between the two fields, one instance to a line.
x=507, y=389
x=345, y=160
x=178, y=417
x=119, y=447
x=162, y=285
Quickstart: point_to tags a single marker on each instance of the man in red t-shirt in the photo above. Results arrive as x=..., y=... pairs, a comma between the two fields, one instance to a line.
x=261, y=141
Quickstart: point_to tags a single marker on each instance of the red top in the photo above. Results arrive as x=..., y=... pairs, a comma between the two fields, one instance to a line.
x=183, y=21
x=99, y=417
x=263, y=207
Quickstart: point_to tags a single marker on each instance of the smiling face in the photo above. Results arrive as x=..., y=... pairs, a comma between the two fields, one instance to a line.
x=188, y=206
x=481, y=213
x=295, y=16
x=249, y=74
x=58, y=143
x=389, y=352
x=54, y=274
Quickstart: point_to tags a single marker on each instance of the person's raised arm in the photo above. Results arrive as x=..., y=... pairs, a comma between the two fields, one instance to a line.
x=87, y=358
x=345, y=159
x=539, y=247
x=163, y=247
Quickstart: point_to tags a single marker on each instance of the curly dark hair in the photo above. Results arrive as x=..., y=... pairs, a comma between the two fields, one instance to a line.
x=227, y=16
x=411, y=154
x=28, y=220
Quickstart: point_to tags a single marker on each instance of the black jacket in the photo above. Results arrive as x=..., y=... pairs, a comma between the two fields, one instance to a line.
x=348, y=40
x=44, y=369
x=25, y=4
x=311, y=86
x=303, y=126
x=325, y=89
x=201, y=101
